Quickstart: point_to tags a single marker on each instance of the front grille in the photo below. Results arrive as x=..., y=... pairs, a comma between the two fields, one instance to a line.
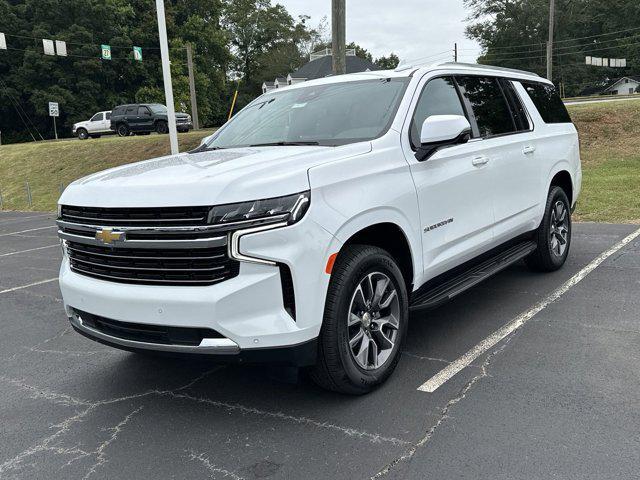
x=158, y=266
x=135, y=217
x=139, y=332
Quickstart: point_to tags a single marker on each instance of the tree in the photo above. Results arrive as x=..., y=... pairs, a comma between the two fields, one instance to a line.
x=513, y=33
x=388, y=63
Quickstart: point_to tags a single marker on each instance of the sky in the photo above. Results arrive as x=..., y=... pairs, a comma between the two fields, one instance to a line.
x=412, y=29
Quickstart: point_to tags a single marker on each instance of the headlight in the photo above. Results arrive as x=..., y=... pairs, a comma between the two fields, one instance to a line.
x=288, y=209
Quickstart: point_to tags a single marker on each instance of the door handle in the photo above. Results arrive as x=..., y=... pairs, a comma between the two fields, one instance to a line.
x=479, y=161
x=528, y=150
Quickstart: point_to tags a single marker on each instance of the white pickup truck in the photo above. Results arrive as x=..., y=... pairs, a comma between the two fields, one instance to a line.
x=305, y=229
x=96, y=126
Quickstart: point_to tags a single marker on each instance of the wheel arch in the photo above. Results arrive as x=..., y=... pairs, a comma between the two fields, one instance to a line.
x=392, y=238
x=562, y=178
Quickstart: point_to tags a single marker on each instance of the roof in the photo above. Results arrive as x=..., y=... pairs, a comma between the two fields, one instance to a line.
x=458, y=68
x=612, y=83
x=323, y=67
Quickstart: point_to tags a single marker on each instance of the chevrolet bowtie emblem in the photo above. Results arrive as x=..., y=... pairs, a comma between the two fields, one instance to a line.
x=108, y=236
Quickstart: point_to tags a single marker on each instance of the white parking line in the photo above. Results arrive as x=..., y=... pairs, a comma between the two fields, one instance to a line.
x=462, y=362
x=6, y=221
x=29, y=250
x=25, y=231
x=27, y=286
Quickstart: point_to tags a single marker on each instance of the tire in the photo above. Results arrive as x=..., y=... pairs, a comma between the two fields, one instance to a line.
x=553, y=236
x=123, y=130
x=162, y=127
x=342, y=364
x=82, y=134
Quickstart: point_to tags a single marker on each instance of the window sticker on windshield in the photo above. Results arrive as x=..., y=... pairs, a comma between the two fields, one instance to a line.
x=299, y=105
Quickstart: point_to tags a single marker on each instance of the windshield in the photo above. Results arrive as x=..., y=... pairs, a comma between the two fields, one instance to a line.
x=157, y=108
x=333, y=114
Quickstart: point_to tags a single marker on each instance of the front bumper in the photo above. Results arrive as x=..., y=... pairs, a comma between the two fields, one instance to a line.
x=247, y=310
x=184, y=126
x=218, y=350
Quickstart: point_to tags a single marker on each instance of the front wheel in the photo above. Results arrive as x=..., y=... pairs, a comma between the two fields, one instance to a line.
x=162, y=127
x=83, y=134
x=553, y=236
x=365, y=322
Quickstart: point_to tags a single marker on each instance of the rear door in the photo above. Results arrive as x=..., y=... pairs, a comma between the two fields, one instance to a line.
x=106, y=123
x=453, y=186
x=131, y=116
x=505, y=130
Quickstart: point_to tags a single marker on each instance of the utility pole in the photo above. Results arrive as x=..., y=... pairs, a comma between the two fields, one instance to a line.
x=166, y=75
x=455, y=52
x=339, y=36
x=552, y=16
x=192, y=88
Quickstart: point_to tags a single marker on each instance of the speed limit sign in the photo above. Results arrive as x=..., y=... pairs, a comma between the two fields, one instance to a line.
x=54, y=111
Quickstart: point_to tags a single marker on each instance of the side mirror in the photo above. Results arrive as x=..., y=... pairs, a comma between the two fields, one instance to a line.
x=440, y=131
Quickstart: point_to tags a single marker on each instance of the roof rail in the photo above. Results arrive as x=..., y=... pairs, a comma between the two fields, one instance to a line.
x=477, y=66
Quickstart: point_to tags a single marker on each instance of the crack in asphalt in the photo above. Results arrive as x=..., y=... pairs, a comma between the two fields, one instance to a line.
x=213, y=469
x=444, y=413
x=53, y=443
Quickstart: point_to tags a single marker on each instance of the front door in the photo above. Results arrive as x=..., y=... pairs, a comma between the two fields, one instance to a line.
x=453, y=186
x=95, y=124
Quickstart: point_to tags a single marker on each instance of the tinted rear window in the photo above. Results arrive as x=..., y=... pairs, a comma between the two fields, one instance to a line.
x=548, y=102
x=489, y=105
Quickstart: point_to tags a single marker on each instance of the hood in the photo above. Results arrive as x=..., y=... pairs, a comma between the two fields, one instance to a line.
x=206, y=178
x=81, y=124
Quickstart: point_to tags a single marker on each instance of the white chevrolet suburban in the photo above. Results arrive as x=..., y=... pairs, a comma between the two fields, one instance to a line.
x=304, y=231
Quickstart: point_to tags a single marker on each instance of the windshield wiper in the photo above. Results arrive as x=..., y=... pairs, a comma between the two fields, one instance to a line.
x=283, y=144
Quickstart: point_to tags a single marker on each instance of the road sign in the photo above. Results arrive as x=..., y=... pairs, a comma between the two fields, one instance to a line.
x=3, y=42
x=61, y=48
x=137, y=53
x=54, y=111
x=49, y=49
x=106, y=52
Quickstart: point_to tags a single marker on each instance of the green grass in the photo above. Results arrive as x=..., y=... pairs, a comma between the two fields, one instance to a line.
x=609, y=137
x=47, y=165
x=610, y=147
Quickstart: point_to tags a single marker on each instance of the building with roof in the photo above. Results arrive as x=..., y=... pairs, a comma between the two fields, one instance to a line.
x=622, y=86
x=320, y=65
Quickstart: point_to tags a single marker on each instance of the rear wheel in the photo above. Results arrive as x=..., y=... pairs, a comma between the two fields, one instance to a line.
x=123, y=130
x=365, y=321
x=162, y=127
x=553, y=236
x=83, y=134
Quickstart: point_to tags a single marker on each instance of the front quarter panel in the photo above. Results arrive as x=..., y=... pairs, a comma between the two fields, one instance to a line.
x=358, y=192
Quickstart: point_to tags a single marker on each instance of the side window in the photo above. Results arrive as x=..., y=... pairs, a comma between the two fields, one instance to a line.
x=439, y=97
x=96, y=118
x=108, y=115
x=517, y=109
x=131, y=110
x=488, y=104
x=548, y=102
x=143, y=111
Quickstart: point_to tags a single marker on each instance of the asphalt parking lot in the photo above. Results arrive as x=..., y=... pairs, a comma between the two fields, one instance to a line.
x=557, y=398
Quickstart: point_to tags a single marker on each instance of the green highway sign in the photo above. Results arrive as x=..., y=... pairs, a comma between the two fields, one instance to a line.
x=137, y=53
x=106, y=52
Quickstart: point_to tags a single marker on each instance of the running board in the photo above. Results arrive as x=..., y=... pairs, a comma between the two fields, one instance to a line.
x=444, y=292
